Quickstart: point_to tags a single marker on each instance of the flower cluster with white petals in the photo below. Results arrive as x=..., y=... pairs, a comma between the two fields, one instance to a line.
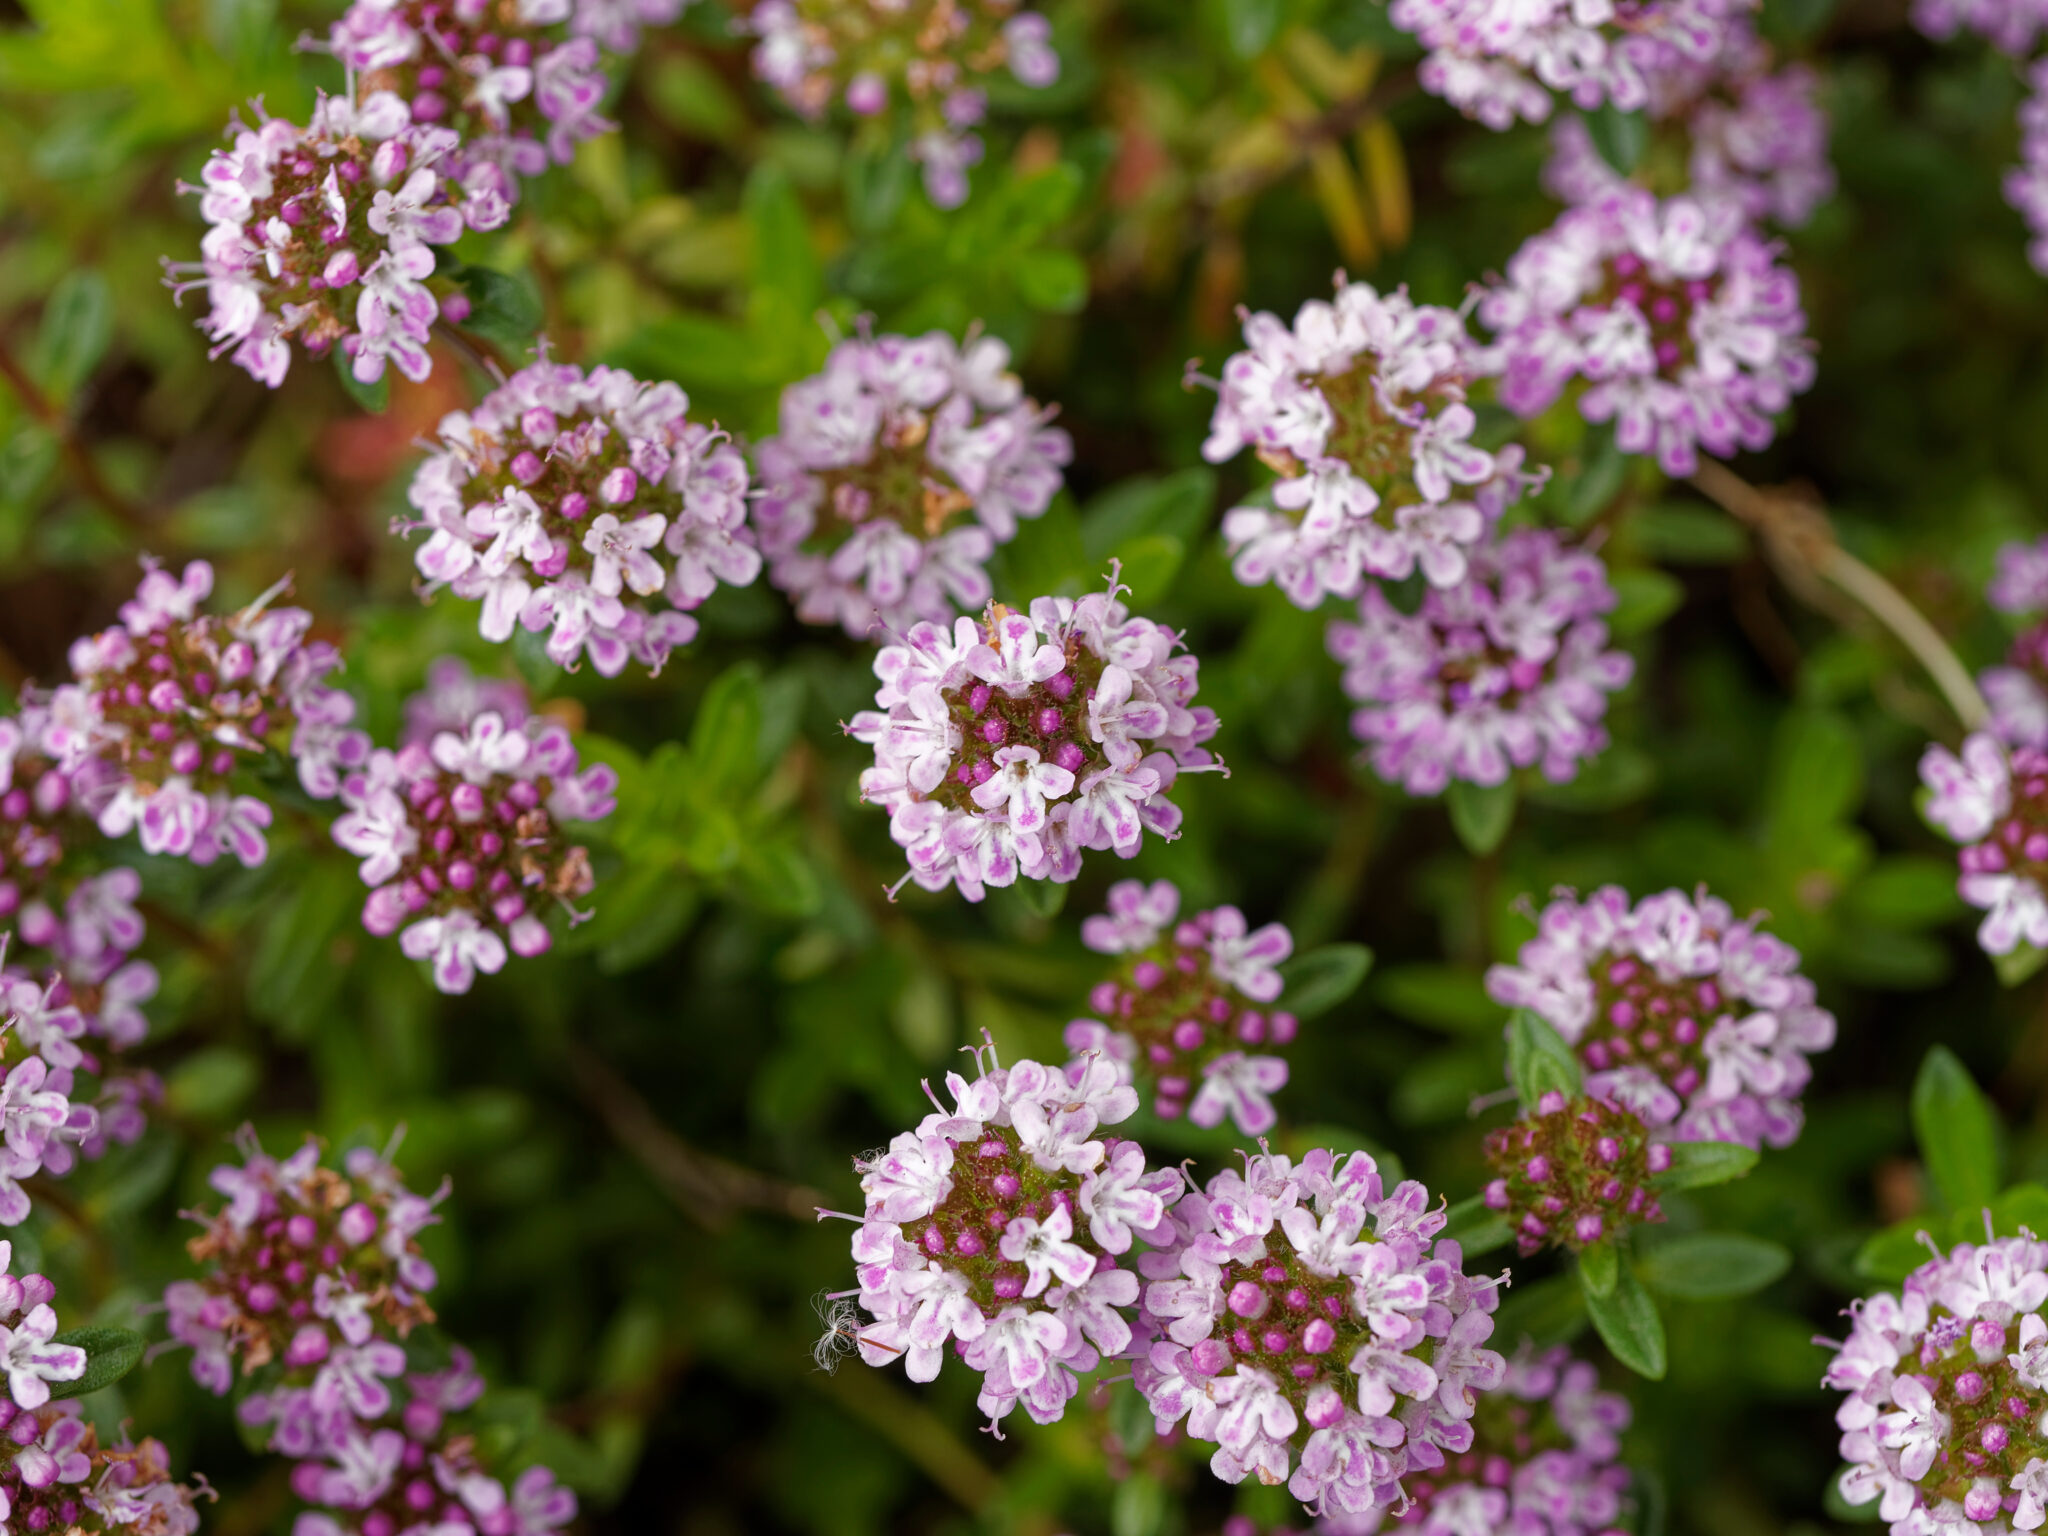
x=40, y=1057
x=55, y=1475
x=1542, y=1461
x=1010, y=745
x=314, y=1282
x=589, y=506
x=1191, y=1007
x=2026, y=184
x=1697, y=1023
x=1497, y=60
x=172, y=710
x=1360, y=408
x=1508, y=669
x=519, y=83
x=2017, y=691
x=326, y=233
x=995, y=1228
x=895, y=473
x=1993, y=800
x=1945, y=1386
x=462, y=837
x=1683, y=323
x=1308, y=1322
x=932, y=56
x=1750, y=136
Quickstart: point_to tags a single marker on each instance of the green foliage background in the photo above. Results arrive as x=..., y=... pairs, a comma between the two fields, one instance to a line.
x=637, y=1125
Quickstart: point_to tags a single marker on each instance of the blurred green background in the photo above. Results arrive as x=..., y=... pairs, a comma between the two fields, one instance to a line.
x=638, y=1124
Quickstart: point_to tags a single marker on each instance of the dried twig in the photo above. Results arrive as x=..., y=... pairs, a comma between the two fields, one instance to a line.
x=1801, y=543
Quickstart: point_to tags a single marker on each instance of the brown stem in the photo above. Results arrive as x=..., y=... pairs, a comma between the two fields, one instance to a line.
x=1800, y=541
x=709, y=1189
x=60, y=426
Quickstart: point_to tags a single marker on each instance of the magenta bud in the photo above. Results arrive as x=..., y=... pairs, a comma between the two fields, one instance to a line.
x=573, y=505
x=262, y=1297
x=1537, y=1169
x=1248, y=1299
x=1210, y=1356
x=308, y=1346
x=619, y=486
x=1496, y=1195
x=1060, y=685
x=1660, y=1157
x=1551, y=1103
x=1318, y=1336
x=1187, y=1034
x=301, y=1231
x=1049, y=721
x=1587, y=1229
x=1324, y=1407
x=526, y=466
x=358, y=1224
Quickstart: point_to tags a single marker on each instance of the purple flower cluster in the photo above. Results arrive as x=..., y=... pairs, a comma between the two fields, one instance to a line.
x=2017, y=692
x=1754, y=138
x=1945, y=1385
x=816, y=52
x=520, y=84
x=997, y=1225
x=555, y=500
x=1360, y=408
x=1542, y=1461
x=326, y=233
x=1699, y=1024
x=1304, y=1319
x=2026, y=184
x=55, y=1475
x=1994, y=801
x=2013, y=27
x=895, y=473
x=1497, y=61
x=1508, y=669
x=462, y=837
x=1012, y=744
x=172, y=709
x=315, y=1278
x=1573, y=1173
x=1190, y=1006
x=1683, y=323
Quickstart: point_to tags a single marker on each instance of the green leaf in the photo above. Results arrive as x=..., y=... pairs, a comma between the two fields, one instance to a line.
x=1678, y=534
x=1041, y=898
x=1626, y=1319
x=77, y=324
x=1620, y=137
x=1957, y=1131
x=1475, y=1228
x=1445, y=997
x=502, y=308
x=371, y=397
x=1547, y=1312
x=1891, y=1255
x=1646, y=598
x=1906, y=891
x=1175, y=506
x=1539, y=1061
x=1696, y=1164
x=1481, y=813
x=1321, y=979
x=786, y=268
x=1599, y=1268
x=1249, y=25
x=2018, y=964
x=1713, y=1266
x=1816, y=770
x=110, y=1354
x=1601, y=471
x=1053, y=280
x=728, y=724
x=211, y=1084
x=1138, y=1507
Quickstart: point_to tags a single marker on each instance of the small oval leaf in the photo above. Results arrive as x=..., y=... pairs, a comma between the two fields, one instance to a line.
x=1696, y=1164
x=1321, y=979
x=1626, y=1319
x=110, y=1354
x=1713, y=1266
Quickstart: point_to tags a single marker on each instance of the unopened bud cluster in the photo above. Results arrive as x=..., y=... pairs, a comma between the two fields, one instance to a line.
x=1574, y=1173
x=1190, y=1011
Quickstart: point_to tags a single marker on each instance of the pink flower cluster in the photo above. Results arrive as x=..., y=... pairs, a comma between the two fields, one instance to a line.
x=1994, y=801
x=1573, y=1172
x=2017, y=692
x=326, y=233
x=895, y=473
x=1542, y=1460
x=54, y=1474
x=556, y=499
x=816, y=52
x=315, y=1277
x=1189, y=1007
x=1699, y=1024
x=1304, y=1319
x=1683, y=323
x=1508, y=669
x=2014, y=27
x=996, y=1227
x=2026, y=184
x=1360, y=408
x=520, y=84
x=1754, y=137
x=1945, y=1385
x=172, y=709
x=462, y=837
x=1007, y=747
x=1497, y=61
